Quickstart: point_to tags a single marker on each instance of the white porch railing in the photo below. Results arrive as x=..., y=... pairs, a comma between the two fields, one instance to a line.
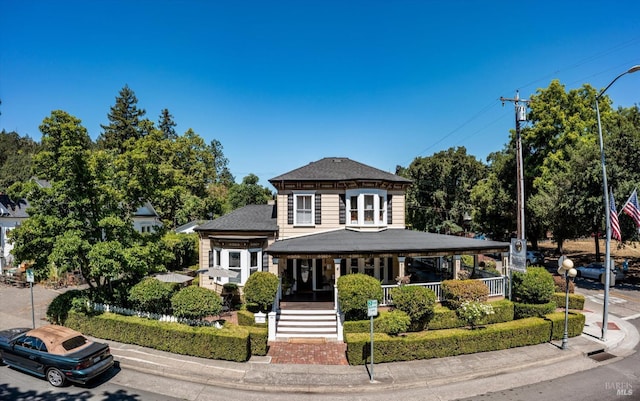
x=496, y=288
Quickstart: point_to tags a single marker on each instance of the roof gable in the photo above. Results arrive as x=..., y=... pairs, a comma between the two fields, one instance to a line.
x=13, y=208
x=338, y=169
x=247, y=218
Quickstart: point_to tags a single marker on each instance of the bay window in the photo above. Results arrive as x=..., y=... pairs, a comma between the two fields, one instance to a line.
x=367, y=207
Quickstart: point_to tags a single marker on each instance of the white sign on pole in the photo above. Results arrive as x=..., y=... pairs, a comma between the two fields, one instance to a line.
x=30, y=276
x=372, y=307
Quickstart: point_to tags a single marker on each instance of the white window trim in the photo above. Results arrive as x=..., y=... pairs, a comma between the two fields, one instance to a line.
x=360, y=194
x=245, y=267
x=310, y=194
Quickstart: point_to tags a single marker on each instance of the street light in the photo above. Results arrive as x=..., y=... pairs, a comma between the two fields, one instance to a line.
x=605, y=188
x=566, y=269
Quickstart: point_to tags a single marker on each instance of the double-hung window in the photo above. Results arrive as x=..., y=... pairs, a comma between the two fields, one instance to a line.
x=235, y=265
x=254, y=258
x=303, y=209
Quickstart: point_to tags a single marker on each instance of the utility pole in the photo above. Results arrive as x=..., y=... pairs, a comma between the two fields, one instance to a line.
x=521, y=115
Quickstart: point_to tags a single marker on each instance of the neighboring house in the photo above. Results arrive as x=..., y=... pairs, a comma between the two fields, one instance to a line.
x=145, y=218
x=189, y=227
x=12, y=214
x=331, y=217
x=237, y=242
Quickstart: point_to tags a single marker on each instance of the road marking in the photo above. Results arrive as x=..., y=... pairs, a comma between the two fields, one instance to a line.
x=599, y=298
x=637, y=315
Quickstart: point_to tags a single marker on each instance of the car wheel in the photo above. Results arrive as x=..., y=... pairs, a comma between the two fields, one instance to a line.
x=55, y=377
x=579, y=274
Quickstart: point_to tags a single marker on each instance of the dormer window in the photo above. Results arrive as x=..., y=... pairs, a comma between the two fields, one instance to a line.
x=367, y=207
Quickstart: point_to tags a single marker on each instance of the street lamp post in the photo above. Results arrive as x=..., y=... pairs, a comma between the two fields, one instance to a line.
x=605, y=188
x=566, y=269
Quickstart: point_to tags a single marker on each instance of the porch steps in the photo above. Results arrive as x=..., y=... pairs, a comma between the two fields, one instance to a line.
x=301, y=323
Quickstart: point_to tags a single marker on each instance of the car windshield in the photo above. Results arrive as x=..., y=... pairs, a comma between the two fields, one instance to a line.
x=73, y=343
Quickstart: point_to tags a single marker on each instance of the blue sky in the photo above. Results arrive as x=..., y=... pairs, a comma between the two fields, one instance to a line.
x=284, y=83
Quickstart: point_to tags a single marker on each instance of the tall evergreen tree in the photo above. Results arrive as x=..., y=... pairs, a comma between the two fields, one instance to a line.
x=125, y=122
x=166, y=124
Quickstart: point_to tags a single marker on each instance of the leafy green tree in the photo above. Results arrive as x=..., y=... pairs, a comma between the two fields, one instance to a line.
x=183, y=249
x=79, y=221
x=249, y=193
x=16, y=153
x=439, y=198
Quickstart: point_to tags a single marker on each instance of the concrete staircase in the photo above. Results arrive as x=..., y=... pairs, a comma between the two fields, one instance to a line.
x=306, y=323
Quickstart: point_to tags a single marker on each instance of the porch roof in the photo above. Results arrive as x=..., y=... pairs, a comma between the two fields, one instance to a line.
x=400, y=242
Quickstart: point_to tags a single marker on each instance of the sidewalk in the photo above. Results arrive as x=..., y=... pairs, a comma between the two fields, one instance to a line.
x=455, y=377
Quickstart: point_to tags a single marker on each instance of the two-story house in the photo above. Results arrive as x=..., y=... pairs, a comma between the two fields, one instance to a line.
x=331, y=217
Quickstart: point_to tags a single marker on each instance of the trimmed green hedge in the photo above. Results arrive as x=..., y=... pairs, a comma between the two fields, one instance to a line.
x=450, y=342
x=576, y=301
x=247, y=318
x=523, y=310
x=443, y=318
x=231, y=343
x=258, y=339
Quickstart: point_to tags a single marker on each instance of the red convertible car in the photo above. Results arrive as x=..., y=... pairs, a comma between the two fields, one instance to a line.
x=56, y=353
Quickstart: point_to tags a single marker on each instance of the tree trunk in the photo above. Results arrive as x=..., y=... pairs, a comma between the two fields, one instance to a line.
x=597, y=240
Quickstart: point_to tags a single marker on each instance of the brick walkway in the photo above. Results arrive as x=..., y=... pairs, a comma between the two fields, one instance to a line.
x=308, y=353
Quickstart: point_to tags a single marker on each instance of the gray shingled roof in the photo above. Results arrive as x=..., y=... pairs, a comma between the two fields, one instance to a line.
x=17, y=208
x=388, y=241
x=247, y=218
x=338, y=169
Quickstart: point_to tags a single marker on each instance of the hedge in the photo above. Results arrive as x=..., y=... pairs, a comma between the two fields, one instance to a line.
x=230, y=343
x=524, y=310
x=443, y=318
x=576, y=301
x=451, y=342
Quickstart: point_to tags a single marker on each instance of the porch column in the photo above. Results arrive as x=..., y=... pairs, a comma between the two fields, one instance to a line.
x=401, y=270
x=456, y=266
x=505, y=263
x=336, y=275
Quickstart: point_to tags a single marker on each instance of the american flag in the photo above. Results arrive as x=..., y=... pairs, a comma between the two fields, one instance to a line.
x=632, y=209
x=615, y=224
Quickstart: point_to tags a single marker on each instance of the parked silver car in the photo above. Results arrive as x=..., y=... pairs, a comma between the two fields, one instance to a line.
x=535, y=258
x=595, y=271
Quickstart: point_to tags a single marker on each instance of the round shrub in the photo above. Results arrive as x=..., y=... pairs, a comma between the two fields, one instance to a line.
x=152, y=295
x=536, y=286
x=417, y=302
x=473, y=312
x=195, y=303
x=455, y=292
x=561, y=285
x=58, y=309
x=260, y=290
x=354, y=290
x=393, y=322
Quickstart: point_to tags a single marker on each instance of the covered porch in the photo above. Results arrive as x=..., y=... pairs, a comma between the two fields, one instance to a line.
x=309, y=266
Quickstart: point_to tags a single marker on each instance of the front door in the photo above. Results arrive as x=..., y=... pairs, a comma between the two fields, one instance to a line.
x=304, y=275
